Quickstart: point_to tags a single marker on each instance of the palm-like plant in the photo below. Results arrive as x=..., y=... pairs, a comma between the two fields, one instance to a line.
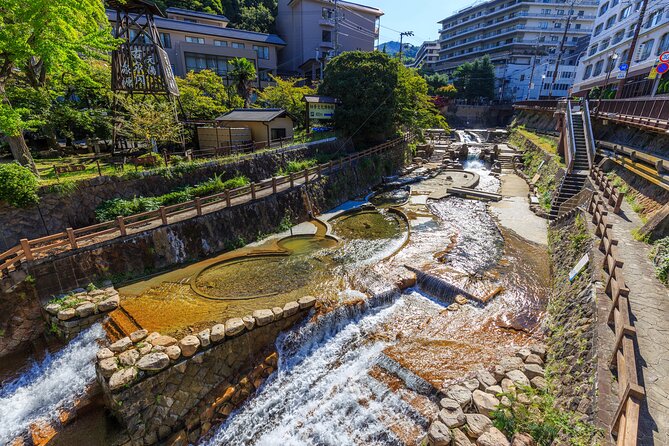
x=243, y=73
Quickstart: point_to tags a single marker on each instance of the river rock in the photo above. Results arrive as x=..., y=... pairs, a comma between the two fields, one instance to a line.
x=144, y=347
x=484, y=402
x=539, y=382
x=451, y=413
x=52, y=309
x=205, y=337
x=485, y=379
x=306, y=302
x=493, y=437
x=153, y=362
x=138, y=335
x=518, y=378
x=67, y=314
x=108, y=366
x=477, y=424
x=538, y=349
x=128, y=357
x=532, y=370
x=122, y=377
x=173, y=352
x=152, y=336
x=263, y=317
x=522, y=439
x=164, y=341
x=121, y=345
x=534, y=359
x=104, y=353
x=85, y=309
x=508, y=386
x=471, y=384
x=109, y=304
x=494, y=390
x=189, y=345
x=460, y=300
x=461, y=394
x=217, y=333
x=290, y=308
x=439, y=434
x=249, y=322
x=234, y=326
x=511, y=363
x=278, y=313
x=459, y=438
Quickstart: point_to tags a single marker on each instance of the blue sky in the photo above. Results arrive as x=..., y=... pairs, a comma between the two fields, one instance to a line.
x=419, y=16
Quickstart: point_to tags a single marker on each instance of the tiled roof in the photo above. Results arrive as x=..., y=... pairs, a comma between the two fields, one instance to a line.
x=189, y=13
x=252, y=114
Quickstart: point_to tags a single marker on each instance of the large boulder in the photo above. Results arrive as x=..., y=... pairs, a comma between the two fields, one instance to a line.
x=451, y=413
x=493, y=437
x=153, y=362
x=459, y=438
x=67, y=314
x=278, y=313
x=121, y=345
x=533, y=370
x=518, y=378
x=109, y=304
x=522, y=439
x=104, y=353
x=173, y=352
x=484, y=402
x=205, y=337
x=189, y=345
x=461, y=394
x=108, y=366
x=128, y=357
x=477, y=424
x=122, y=378
x=138, y=335
x=86, y=309
x=164, y=341
x=439, y=434
x=249, y=322
x=485, y=379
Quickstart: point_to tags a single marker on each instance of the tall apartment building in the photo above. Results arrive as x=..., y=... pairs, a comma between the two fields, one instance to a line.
x=427, y=56
x=610, y=47
x=312, y=29
x=195, y=41
x=523, y=39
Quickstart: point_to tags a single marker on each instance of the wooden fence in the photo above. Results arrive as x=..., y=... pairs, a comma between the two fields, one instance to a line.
x=625, y=424
x=74, y=238
x=610, y=192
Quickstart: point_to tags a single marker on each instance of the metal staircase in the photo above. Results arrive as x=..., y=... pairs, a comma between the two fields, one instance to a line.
x=579, y=155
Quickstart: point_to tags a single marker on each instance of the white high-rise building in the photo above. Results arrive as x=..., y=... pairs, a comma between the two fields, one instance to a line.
x=427, y=56
x=523, y=39
x=610, y=46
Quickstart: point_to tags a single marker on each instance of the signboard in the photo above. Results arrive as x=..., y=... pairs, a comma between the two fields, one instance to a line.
x=579, y=267
x=623, y=67
x=662, y=68
x=621, y=75
x=142, y=68
x=664, y=57
x=653, y=73
x=321, y=111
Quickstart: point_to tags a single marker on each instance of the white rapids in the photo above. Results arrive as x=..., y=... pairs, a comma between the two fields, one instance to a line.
x=49, y=385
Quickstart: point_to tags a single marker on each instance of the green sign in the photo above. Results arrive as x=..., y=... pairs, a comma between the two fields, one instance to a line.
x=321, y=111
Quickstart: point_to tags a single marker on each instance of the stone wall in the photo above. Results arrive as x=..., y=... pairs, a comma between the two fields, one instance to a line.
x=56, y=211
x=152, y=383
x=21, y=318
x=193, y=239
x=537, y=120
x=68, y=314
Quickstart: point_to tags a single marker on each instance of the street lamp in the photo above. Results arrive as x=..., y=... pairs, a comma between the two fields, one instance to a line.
x=612, y=62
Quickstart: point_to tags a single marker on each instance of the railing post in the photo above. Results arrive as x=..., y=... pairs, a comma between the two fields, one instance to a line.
x=306, y=176
x=121, y=226
x=198, y=205
x=292, y=180
x=227, y=198
x=318, y=171
x=71, y=238
x=25, y=245
x=163, y=214
x=274, y=185
x=330, y=166
x=253, y=191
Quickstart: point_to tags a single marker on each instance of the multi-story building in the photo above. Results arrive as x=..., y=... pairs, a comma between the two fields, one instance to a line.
x=427, y=56
x=609, y=48
x=196, y=41
x=315, y=30
x=523, y=39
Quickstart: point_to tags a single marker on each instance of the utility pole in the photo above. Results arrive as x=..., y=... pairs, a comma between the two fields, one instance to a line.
x=408, y=34
x=559, y=56
x=336, y=27
x=534, y=63
x=632, y=49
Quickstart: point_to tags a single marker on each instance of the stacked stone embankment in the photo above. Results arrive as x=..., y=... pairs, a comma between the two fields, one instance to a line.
x=467, y=407
x=68, y=314
x=155, y=384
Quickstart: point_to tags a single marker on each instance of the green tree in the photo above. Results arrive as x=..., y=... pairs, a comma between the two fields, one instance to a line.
x=203, y=95
x=435, y=81
x=256, y=18
x=288, y=95
x=243, y=73
x=447, y=91
x=42, y=40
x=475, y=80
x=414, y=108
x=151, y=121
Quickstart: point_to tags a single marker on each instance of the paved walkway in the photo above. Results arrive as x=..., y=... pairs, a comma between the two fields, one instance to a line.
x=649, y=301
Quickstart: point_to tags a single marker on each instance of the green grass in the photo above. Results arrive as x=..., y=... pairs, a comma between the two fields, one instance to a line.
x=297, y=166
x=547, y=144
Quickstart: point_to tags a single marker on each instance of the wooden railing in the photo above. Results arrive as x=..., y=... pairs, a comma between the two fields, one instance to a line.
x=610, y=192
x=625, y=424
x=74, y=238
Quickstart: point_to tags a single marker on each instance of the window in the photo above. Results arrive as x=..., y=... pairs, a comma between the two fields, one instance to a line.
x=581, y=13
x=326, y=36
x=238, y=45
x=598, y=68
x=165, y=40
x=220, y=43
x=261, y=51
x=522, y=77
x=191, y=39
x=614, y=3
x=603, y=9
x=588, y=72
x=327, y=13
x=593, y=50
x=625, y=13
x=278, y=134
x=604, y=44
x=560, y=12
x=557, y=25
x=577, y=26
x=646, y=49
x=663, y=45
x=198, y=62
x=610, y=21
x=598, y=29
x=543, y=25
x=618, y=37
x=654, y=18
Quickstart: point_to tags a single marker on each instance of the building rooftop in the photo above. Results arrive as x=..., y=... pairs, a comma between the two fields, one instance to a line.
x=315, y=99
x=253, y=114
x=203, y=15
x=350, y=5
x=211, y=30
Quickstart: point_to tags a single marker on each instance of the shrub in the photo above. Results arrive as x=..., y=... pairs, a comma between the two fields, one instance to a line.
x=111, y=209
x=660, y=256
x=297, y=166
x=18, y=185
x=159, y=161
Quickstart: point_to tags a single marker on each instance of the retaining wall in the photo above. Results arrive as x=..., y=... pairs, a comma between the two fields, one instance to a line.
x=56, y=212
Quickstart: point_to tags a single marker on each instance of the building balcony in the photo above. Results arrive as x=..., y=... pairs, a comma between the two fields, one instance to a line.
x=328, y=45
x=329, y=23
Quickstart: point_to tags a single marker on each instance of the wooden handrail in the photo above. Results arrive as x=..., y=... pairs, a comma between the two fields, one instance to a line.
x=73, y=237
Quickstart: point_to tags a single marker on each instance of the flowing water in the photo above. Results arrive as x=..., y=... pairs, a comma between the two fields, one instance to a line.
x=52, y=384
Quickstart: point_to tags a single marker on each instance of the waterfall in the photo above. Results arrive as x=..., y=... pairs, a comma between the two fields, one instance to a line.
x=54, y=383
x=322, y=393
x=438, y=287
